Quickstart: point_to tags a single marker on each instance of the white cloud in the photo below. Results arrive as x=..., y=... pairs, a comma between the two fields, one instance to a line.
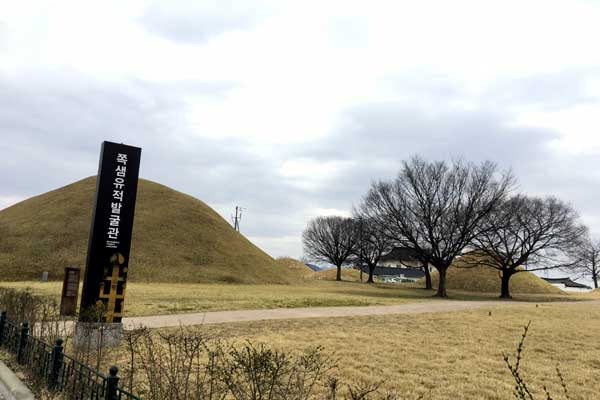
x=293, y=107
x=578, y=126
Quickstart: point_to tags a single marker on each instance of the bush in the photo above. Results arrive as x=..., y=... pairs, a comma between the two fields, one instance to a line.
x=521, y=390
x=183, y=364
x=42, y=313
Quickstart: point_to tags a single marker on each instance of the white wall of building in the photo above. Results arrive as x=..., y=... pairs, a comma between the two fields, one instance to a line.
x=562, y=286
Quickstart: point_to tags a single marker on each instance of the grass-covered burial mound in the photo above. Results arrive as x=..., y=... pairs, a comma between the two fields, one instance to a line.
x=176, y=238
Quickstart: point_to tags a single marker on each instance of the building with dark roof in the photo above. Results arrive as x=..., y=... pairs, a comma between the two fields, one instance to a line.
x=395, y=274
x=314, y=267
x=567, y=285
x=402, y=257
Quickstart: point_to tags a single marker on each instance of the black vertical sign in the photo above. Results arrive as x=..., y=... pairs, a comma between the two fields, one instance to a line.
x=110, y=233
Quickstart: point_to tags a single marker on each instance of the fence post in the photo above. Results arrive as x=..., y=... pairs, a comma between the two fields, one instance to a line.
x=112, y=382
x=23, y=342
x=2, y=327
x=57, y=361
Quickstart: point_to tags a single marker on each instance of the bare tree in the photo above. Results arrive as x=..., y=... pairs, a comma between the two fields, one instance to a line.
x=539, y=233
x=588, y=259
x=371, y=245
x=436, y=207
x=330, y=239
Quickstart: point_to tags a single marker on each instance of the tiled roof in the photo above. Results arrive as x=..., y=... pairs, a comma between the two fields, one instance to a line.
x=391, y=271
x=401, y=253
x=567, y=282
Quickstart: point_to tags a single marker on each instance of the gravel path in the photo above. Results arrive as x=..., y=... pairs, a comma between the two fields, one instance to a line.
x=220, y=317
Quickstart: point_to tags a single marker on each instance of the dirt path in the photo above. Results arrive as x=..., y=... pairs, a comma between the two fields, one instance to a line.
x=220, y=317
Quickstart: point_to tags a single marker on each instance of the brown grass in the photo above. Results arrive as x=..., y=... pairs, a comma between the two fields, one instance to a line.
x=153, y=299
x=348, y=275
x=297, y=267
x=455, y=355
x=176, y=238
x=173, y=298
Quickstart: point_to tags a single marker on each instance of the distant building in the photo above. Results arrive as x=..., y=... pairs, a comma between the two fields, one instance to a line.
x=395, y=274
x=314, y=267
x=567, y=285
x=402, y=257
x=399, y=265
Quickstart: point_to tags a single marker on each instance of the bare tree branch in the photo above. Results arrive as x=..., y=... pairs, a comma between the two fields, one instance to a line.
x=587, y=256
x=330, y=239
x=436, y=207
x=539, y=233
x=372, y=243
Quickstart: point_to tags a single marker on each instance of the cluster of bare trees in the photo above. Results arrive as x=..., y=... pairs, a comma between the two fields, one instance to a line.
x=448, y=210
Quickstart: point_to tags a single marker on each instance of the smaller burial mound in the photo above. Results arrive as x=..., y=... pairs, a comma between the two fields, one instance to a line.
x=348, y=275
x=297, y=267
x=487, y=280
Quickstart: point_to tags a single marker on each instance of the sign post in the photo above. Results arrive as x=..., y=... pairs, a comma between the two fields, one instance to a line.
x=70, y=291
x=107, y=262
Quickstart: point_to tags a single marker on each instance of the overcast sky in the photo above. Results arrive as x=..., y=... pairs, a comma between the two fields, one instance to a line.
x=291, y=109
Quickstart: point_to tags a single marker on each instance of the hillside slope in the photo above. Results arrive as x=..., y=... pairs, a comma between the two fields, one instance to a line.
x=176, y=238
x=348, y=275
x=296, y=266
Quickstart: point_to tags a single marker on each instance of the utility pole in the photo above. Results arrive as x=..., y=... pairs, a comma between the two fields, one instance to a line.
x=237, y=218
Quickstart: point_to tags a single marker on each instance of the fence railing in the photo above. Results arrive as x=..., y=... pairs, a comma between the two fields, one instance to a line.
x=58, y=371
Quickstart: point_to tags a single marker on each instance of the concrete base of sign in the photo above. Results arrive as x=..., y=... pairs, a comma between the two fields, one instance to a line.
x=92, y=334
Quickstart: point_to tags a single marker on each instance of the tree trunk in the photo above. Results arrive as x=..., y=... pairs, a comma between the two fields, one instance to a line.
x=428, y=285
x=338, y=276
x=505, y=288
x=371, y=270
x=595, y=277
x=442, y=283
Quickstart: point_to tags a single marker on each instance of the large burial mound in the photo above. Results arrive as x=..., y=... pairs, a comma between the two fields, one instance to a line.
x=176, y=238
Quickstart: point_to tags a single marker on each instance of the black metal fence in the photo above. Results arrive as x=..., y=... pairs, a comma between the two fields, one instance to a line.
x=60, y=373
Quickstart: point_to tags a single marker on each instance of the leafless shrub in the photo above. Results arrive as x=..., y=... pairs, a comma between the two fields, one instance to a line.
x=41, y=312
x=132, y=338
x=184, y=364
x=258, y=372
x=521, y=390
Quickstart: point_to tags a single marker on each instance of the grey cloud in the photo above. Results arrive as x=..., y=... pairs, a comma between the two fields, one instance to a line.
x=52, y=126
x=378, y=134
x=550, y=91
x=56, y=122
x=197, y=21
x=377, y=137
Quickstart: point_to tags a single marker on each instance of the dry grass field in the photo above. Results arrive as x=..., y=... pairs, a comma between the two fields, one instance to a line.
x=453, y=355
x=172, y=298
x=449, y=355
